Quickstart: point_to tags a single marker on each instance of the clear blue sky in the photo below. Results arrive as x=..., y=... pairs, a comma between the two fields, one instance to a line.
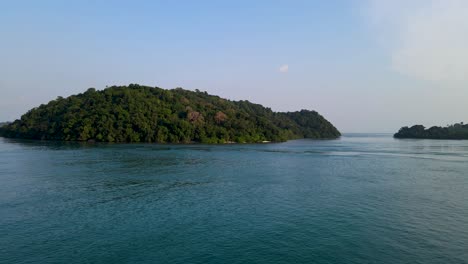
x=367, y=66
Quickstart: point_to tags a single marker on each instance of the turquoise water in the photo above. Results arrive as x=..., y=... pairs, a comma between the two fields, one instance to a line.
x=359, y=199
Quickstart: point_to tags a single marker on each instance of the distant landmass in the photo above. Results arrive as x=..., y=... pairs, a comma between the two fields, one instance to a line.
x=4, y=123
x=137, y=113
x=456, y=131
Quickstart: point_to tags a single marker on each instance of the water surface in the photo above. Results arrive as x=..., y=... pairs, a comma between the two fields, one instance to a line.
x=359, y=199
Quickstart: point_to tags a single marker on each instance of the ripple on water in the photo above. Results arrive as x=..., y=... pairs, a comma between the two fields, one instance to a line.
x=360, y=199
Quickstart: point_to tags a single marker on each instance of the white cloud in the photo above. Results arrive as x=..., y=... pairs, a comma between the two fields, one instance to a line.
x=284, y=68
x=427, y=39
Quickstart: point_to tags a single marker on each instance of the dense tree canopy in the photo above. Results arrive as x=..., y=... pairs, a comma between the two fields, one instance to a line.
x=456, y=131
x=137, y=113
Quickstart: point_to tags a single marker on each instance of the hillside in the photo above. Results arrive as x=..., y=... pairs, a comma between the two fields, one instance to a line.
x=137, y=113
x=456, y=131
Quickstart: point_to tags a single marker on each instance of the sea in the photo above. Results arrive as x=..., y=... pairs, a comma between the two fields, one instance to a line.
x=363, y=198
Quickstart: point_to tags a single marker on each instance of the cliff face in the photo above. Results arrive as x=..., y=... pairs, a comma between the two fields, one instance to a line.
x=137, y=113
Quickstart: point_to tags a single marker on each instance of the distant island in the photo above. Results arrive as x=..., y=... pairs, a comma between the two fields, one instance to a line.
x=136, y=113
x=456, y=131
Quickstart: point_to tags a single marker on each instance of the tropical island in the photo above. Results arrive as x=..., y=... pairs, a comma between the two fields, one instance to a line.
x=456, y=131
x=136, y=113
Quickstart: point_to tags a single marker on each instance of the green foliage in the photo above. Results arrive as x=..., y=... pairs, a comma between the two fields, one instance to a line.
x=4, y=123
x=308, y=124
x=137, y=113
x=456, y=131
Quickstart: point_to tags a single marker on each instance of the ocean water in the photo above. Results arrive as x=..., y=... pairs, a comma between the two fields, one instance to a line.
x=360, y=199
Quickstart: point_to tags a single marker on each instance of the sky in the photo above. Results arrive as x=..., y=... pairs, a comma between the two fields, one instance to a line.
x=367, y=65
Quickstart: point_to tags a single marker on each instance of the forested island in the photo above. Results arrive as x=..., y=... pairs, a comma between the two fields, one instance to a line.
x=456, y=131
x=136, y=113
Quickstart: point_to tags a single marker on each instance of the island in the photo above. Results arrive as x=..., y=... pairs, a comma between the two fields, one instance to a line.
x=137, y=113
x=456, y=131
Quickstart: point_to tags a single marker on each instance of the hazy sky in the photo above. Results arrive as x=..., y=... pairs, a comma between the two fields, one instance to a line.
x=367, y=66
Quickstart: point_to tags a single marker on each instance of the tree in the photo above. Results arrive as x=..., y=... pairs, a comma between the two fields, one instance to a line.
x=136, y=113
